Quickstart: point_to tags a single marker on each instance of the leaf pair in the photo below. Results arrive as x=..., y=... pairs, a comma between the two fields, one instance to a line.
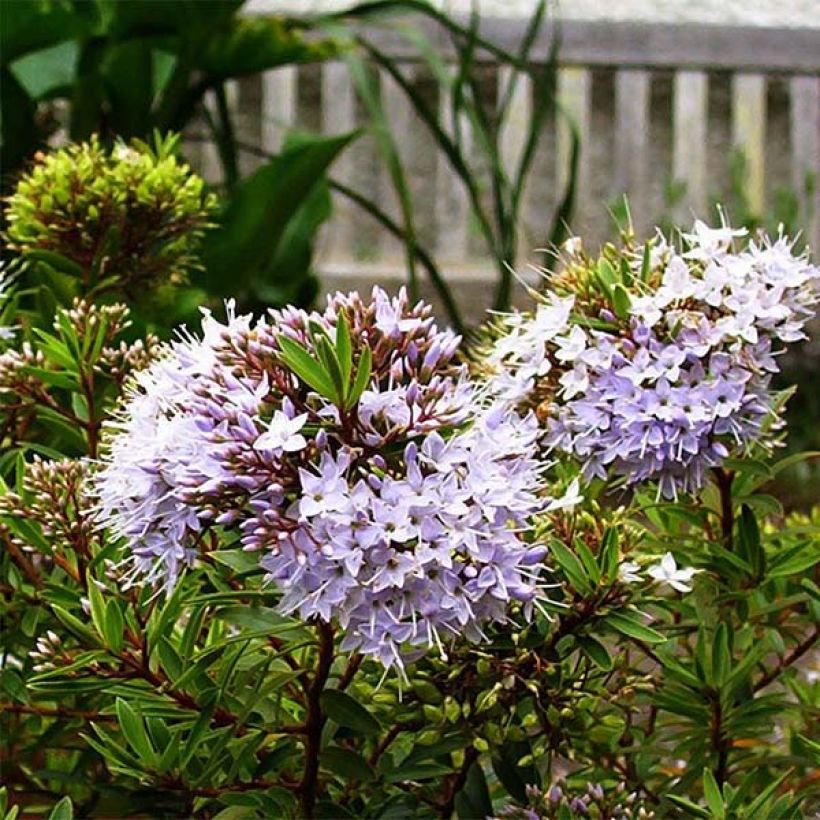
x=330, y=371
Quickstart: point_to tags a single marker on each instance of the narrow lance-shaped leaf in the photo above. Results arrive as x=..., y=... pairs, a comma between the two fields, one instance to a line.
x=134, y=730
x=344, y=350
x=363, y=373
x=327, y=354
x=306, y=367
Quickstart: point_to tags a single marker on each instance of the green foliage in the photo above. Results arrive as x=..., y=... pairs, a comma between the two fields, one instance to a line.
x=127, y=220
x=129, y=67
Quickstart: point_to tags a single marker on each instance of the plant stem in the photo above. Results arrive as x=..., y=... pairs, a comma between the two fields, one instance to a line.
x=724, y=478
x=315, y=721
x=719, y=743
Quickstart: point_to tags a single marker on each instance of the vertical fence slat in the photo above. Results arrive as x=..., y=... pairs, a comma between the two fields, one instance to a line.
x=805, y=150
x=210, y=163
x=574, y=97
x=512, y=141
x=452, y=201
x=690, y=114
x=749, y=135
x=632, y=142
x=279, y=95
x=339, y=117
x=399, y=114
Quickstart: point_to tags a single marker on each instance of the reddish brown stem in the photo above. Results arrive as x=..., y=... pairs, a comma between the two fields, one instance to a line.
x=315, y=721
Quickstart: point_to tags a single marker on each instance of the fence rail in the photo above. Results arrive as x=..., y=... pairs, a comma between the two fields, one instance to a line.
x=671, y=115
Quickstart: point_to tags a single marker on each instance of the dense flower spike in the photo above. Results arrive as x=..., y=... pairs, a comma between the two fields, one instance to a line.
x=656, y=363
x=350, y=450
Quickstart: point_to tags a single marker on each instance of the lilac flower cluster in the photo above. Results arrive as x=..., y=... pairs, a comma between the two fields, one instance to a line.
x=400, y=517
x=666, y=371
x=563, y=801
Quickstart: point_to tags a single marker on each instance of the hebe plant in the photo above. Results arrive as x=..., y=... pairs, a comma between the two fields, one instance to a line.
x=126, y=219
x=310, y=566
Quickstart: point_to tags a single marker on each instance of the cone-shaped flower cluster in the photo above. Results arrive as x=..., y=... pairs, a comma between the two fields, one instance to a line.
x=347, y=448
x=656, y=363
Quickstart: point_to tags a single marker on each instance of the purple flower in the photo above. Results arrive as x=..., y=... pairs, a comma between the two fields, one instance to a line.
x=684, y=381
x=400, y=518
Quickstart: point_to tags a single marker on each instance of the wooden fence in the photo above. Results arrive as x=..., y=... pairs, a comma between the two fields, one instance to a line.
x=674, y=116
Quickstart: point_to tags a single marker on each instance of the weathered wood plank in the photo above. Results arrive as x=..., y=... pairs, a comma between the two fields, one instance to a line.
x=629, y=43
x=401, y=122
x=574, y=98
x=452, y=202
x=631, y=175
x=805, y=150
x=749, y=136
x=339, y=117
x=513, y=139
x=690, y=114
x=279, y=97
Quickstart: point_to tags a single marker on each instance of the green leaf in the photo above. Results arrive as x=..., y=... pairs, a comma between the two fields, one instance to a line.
x=620, y=301
x=595, y=651
x=47, y=71
x=474, y=799
x=97, y=603
x=62, y=811
x=605, y=276
x=795, y=561
x=75, y=626
x=711, y=791
x=260, y=210
x=327, y=354
x=750, y=546
x=344, y=350
x=60, y=263
x=570, y=566
x=591, y=567
x=114, y=625
x=346, y=763
x=628, y=623
x=133, y=729
x=362, y=380
x=755, y=808
x=694, y=808
x=608, y=554
x=306, y=367
x=341, y=708
x=721, y=655
x=416, y=771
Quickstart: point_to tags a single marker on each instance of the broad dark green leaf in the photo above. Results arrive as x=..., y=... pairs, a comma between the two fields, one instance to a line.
x=133, y=728
x=259, y=211
x=346, y=763
x=595, y=651
x=341, y=708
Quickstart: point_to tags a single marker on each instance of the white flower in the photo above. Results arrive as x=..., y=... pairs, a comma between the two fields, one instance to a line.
x=629, y=573
x=572, y=346
x=282, y=434
x=571, y=498
x=666, y=572
x=575, y=381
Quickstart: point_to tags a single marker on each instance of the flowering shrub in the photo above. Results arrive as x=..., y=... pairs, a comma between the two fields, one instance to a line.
x=124, y=219
x=309, y=565
x=656, y=362
x=351, y=452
